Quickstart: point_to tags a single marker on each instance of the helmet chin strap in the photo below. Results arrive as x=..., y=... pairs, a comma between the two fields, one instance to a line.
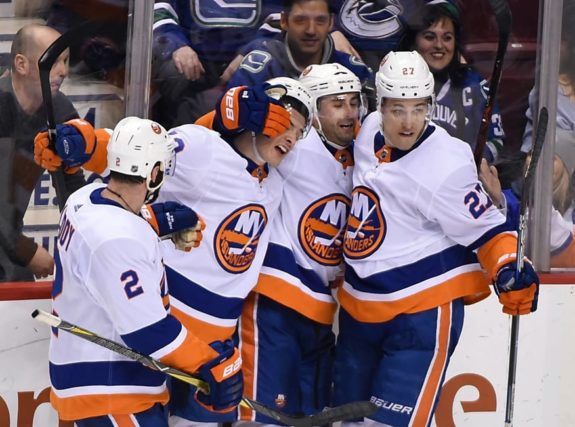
x=259, y=158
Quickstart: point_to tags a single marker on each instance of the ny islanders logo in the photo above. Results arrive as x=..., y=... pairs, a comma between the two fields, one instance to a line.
x=237, y=238
x=365, y=225
x=321, y=229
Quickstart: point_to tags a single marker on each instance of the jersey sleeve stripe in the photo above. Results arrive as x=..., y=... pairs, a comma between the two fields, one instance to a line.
x=155, y=338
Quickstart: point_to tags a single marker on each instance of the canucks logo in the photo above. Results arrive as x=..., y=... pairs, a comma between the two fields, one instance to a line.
x=376, y=19
x=321, y=229
x=237, y=238
x=365, y=225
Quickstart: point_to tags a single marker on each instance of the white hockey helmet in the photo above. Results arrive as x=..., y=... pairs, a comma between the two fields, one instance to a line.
x=296, y=97
x=331, y=79
x=403, y=75
x=137, y=145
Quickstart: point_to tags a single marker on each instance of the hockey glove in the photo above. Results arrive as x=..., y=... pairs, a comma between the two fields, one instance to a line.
x=75, y=143
x=171, y=218
x=517, y=296
x=224, y=377
x=250, y=108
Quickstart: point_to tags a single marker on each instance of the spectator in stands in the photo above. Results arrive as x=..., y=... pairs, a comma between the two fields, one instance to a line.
x=460, y=90
x=565, y=131
x=194, y=42
x=306, y=25
x=21, y=117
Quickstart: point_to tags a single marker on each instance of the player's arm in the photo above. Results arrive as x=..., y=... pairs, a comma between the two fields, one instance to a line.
x=467, y=215
x=247, y=108
x=77, y=145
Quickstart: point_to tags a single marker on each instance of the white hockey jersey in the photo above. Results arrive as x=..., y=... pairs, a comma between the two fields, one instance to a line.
x=110, y=279
x=415, y=219
x=306, y=244
x=209, y=284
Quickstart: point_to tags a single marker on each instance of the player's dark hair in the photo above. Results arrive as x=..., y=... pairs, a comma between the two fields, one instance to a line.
x=288, y=5
x=126, y=179
x=455, y=70
x=297, y=105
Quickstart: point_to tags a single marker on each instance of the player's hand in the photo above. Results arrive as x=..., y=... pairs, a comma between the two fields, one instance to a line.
x=224, y=377
x=186, y=240
x=169, y=217
x=250, y=108
x=188, y=63
x=518, y=296
x=75, y=144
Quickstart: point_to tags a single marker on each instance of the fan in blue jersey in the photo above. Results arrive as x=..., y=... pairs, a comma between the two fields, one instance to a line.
x=305, y=41
x=194, y=41
x=422, y=240
x=460, y=91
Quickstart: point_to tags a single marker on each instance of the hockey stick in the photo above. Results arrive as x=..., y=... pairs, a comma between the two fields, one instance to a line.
x=339, y=413
x=503, y=18
x=45, y=64
x=521, y=237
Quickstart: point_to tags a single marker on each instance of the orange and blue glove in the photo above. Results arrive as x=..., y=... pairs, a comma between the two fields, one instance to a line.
x=223, y=375
x=251, y=108
x=518, y=293
x=77, y=145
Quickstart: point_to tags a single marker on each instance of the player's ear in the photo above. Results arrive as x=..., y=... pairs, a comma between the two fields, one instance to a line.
x=156, y=176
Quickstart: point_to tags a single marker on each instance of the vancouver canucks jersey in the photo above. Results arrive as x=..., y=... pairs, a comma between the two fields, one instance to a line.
x=215, y=29
x=268, y=58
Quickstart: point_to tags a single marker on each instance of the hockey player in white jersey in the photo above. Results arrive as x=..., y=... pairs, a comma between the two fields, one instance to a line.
x=420, y=234
x=286, y=329
x=233, y=184
x=110, y=278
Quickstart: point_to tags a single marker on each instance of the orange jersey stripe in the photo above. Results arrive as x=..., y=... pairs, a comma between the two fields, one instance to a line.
x=291, y=296
x=95, y=405
x=205, y=331
x=431, y=386
x=123, y=420
x=469, y=283
x=248, y=347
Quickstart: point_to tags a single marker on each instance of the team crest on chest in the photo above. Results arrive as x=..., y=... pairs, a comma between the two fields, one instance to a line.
x=365, y=225
x=237, y=238
x=321, y=229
